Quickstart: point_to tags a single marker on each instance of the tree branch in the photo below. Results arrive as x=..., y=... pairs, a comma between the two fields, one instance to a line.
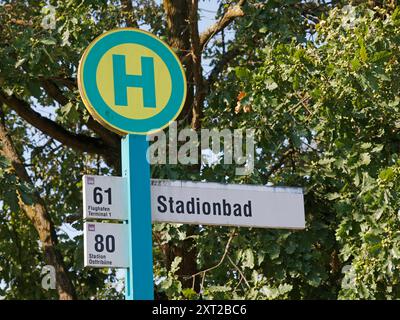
x=68, y=82
x=78, y=142
x=197, y=68
x=231, y=14
x=127, y=11
x=110, y=138
x=240, y=271
x=221, y=65
x=276, y=166
x=39, y=216
x=227, y=246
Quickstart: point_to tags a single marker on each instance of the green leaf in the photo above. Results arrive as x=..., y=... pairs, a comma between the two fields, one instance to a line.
x=290, y=247
x=65, y=39
x=396, y=252
x=395, y=102
x=333, y=196
x=4, y=162
x=242, y=73
x=19, y=62
x=381, y=55
x=189, y=293
x=274, y=251
x=175, y=264
x=365, y=159
x=48, y=41
x=363, y=53
x=65, y=109
x=355, y=64
x=366, y=145
x=248, y=259
x=166, y=284
x=378, y=148
x=270, y=84
x=284, y=288
x=386, y=174
x=26, y=192
x=35, y=89
x=396, y=14
x=219, y=289
x=11, y=198
x=314, y=280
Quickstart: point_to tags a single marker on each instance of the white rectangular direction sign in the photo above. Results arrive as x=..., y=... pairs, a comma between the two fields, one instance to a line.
x=227, y=204
x=105, y=197
x=106, y=245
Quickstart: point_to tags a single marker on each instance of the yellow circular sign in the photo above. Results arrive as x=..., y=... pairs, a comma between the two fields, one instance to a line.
x=131, y=81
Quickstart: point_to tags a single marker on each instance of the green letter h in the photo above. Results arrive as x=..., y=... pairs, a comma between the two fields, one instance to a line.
x=145, y=81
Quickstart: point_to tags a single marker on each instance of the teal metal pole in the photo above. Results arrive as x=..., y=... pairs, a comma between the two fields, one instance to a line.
x=139, y=275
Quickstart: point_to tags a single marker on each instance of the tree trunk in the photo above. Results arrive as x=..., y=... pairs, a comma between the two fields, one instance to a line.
x=179, y=37
x=177, y=14
x=40, y=218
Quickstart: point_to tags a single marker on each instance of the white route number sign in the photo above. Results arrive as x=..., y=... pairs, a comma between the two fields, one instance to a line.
x=106, y=245
x=104, y=197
